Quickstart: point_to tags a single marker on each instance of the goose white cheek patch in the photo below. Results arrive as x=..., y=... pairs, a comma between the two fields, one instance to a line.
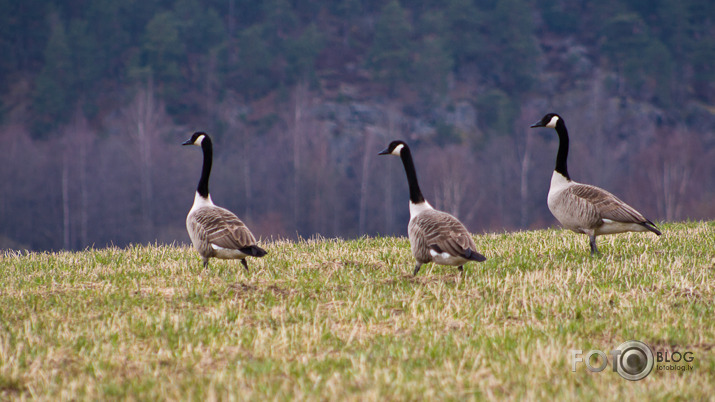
x=552, y=123
x=397, y=150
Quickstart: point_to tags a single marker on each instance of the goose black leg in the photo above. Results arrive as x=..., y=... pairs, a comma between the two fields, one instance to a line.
x=592, y=242
x=461, y=268
x=245, y=264
x=417, y=268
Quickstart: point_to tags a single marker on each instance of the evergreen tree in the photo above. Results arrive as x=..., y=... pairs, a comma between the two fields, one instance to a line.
x=389, y=55
x=513, y=46
x=702, y=59
x=466, y=36
x=163, y=47
x=53, y=96
x=200, y=27
x=638, y=56
x=433, y=61
x=87, y=64
x=24, y=31
x=164, y=55
x=279, y=20
x=497, y=112
x=301, y=54
x=251, y=74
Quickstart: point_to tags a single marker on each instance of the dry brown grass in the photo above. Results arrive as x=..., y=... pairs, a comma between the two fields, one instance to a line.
x=332, y=319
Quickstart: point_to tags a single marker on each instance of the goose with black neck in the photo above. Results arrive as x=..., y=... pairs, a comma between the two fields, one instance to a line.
x=214, y=231
x=584, y=208
x=435, y=236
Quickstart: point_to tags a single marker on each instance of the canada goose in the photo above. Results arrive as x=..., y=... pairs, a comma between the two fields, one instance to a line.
x=434, y=235
x=583, y=208
x=215, y=231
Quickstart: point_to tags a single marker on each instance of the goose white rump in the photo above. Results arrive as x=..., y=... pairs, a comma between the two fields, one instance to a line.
x=583, y=208
x=435, y=236
x=216, y=232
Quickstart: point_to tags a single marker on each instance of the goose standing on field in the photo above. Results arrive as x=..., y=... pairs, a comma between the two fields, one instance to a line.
x=583, y=208
x=215, y=231
x=434, y=235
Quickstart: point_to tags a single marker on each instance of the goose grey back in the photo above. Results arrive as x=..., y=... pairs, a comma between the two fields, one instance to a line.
x=583, y=208
x=215, y=231
x=435, y=236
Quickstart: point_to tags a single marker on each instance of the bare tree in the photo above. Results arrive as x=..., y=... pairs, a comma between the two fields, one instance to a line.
x=393, y=132
x=670, y=166
x=307, y=135
x=232, y=114
x=365, y=180
x=300, y=100
x=524, y=193
x=66, y=241
x=449, y=174
x=325, y=205
x=77, y=138
x=146, y=121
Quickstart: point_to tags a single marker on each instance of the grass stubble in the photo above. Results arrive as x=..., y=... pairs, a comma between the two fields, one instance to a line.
x=332, y=319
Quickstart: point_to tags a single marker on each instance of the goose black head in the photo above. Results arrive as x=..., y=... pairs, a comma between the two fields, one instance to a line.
x=395, y=148
x=197, y=139
x=549, y=120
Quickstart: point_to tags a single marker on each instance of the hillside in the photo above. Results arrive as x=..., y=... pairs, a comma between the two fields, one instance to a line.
x=333, y=319
x=300, y=95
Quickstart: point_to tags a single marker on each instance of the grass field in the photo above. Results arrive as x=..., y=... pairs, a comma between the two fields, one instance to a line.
x=332, y=319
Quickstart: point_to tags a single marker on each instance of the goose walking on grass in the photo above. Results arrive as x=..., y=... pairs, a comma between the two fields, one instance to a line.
x=583, y=208
x=434, y=235
x=215, y=231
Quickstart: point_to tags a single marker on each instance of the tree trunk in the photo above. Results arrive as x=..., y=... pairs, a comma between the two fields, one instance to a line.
x=524, y=188
x=145, y=175
x=66, y=243
x=299, y=99
x=145, y=116
x=367, y=156
x=248, y=194
x=84, y=193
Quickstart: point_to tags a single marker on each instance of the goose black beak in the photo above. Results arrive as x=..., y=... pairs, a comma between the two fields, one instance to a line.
x=187, y=142
x=385, y=151
x=537, y=124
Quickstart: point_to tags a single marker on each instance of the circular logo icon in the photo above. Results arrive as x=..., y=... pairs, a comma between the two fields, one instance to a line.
x=635, y=361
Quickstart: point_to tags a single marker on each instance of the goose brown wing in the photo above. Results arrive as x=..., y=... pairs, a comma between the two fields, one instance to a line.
x=436, y=228
x=607, y=205
x=222, y=228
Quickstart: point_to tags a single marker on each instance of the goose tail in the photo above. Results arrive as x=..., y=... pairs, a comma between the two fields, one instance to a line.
x=474, y=256
x=651, y=226
x=254, y=251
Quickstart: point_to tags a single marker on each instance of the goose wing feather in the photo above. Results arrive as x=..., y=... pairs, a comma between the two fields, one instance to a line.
x=221, y=227
x=437, y=228
x=606, y=205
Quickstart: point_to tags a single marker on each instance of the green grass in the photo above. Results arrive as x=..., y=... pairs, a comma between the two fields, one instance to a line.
x=333, y=319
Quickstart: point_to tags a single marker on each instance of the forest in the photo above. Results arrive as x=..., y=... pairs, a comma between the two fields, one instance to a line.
x=300, y=96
